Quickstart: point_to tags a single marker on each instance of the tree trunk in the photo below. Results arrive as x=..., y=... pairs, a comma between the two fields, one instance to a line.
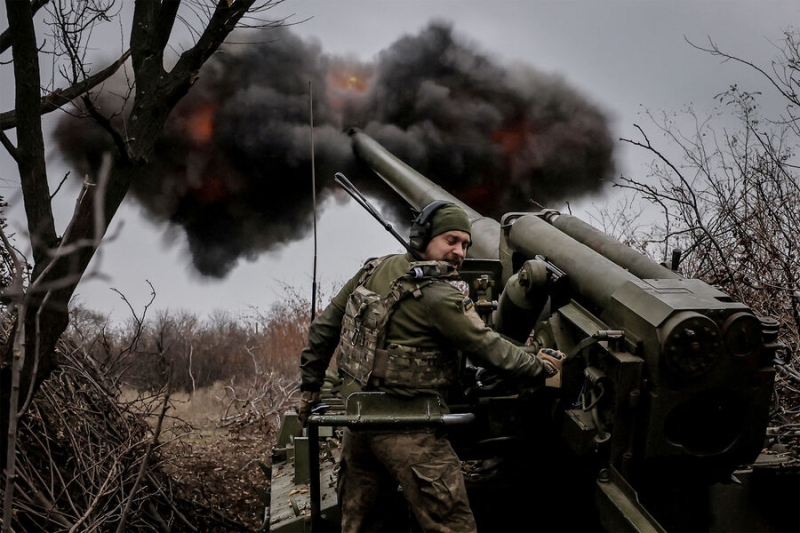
x=59, y=266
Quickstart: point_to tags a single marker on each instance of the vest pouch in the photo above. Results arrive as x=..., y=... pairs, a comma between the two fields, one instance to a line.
x=361, y=354
x=361, y=327
x=404, y=366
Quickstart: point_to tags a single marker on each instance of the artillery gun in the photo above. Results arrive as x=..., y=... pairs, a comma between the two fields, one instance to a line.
x=665, y=392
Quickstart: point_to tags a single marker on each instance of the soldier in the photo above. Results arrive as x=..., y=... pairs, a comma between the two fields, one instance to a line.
x=397, y=327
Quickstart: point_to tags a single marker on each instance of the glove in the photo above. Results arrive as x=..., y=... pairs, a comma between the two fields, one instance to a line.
x=553, y=360
x=308, y=400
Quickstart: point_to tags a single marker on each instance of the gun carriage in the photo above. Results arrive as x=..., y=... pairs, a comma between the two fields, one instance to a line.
x=665, y=392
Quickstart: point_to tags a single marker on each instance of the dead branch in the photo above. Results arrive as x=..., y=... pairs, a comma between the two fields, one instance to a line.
x=146, y=459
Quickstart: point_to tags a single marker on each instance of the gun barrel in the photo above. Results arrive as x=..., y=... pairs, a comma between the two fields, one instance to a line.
x=419, y=191
x=590, y=273
x=637, y=264
x=689, y=368
x=597, y=263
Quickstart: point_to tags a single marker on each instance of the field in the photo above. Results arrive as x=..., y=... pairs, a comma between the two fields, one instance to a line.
x=167, y=425
x=158, y=425
x=219, y=465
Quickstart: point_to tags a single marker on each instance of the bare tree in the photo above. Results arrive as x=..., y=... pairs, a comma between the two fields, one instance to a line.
x=730, y=199
x=59, y=261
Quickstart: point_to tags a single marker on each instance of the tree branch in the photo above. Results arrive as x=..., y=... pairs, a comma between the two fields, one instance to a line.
x=59, y=97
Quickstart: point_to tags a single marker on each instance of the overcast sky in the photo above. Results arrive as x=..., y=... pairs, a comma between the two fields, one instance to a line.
x=624, y=56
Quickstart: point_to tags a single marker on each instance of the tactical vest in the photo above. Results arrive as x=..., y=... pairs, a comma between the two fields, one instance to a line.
x=361, y=353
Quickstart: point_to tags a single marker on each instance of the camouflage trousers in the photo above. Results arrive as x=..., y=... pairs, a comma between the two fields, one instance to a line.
x=422, y=463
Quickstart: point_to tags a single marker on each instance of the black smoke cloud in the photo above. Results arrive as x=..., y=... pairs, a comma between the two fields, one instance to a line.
x=233, y=165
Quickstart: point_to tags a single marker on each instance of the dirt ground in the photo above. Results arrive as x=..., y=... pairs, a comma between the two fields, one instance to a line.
x=220, y=475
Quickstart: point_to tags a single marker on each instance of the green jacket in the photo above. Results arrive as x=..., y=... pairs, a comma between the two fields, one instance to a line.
x=442, y=318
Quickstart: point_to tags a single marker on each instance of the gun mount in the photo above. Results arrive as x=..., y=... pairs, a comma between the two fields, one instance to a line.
x=666, y=389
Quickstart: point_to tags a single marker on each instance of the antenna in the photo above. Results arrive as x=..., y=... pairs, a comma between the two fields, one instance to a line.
x=351, y=189
x=314, y=204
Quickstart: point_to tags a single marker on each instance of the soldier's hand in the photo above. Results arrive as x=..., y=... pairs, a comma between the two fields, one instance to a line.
x=308, y=400
x=553, y=360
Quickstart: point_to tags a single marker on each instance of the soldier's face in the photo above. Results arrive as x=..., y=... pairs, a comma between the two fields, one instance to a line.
x=450, y=246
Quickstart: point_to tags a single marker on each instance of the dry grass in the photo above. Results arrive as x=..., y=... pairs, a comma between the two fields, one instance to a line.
x=187, y=407
x=202, y=408
x=217, y=465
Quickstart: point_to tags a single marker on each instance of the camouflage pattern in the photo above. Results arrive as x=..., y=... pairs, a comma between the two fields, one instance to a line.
x=423, y=464
x=402, y=366
x=431, y=269
x=361, y=354
x=430, y=327
x=461, y=285
x=362, y=332
x=443, y=318
x=362, y=311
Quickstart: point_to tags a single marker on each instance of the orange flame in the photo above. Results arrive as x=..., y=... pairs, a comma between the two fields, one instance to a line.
x=511, y=139
x=200, y=124
x=344, y=82
x=213, y=189
x=348, y=82
x=349, y=76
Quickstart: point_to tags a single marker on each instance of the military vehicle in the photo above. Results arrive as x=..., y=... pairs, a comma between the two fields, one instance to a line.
x=653, y=424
